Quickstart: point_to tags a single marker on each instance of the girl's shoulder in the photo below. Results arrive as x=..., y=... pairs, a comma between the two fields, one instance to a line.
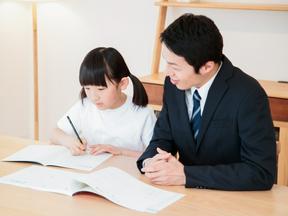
x=143, y=115
x=135, y=108
x=143, y=111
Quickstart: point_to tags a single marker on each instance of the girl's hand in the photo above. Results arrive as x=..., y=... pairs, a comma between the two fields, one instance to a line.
x=76, y=147
x=101, y=148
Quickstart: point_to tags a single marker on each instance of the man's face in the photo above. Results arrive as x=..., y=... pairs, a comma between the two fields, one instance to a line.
x=180, y=72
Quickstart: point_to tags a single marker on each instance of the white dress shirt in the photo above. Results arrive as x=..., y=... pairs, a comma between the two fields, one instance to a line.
x=203, y=92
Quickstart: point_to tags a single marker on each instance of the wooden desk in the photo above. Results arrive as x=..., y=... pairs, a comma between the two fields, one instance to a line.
x=17, y=201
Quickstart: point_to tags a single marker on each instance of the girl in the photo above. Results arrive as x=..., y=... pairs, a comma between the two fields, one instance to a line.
x=106, y=118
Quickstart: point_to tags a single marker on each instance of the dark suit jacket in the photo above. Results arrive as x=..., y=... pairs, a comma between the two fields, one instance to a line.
x=236, y=148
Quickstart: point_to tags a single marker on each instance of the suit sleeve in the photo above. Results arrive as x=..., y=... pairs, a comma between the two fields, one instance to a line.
x=162, y=136
x=256, y=170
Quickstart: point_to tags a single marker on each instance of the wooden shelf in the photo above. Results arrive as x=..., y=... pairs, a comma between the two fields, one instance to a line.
x=156, y=78
x=275, y=89
x=223, y=5
x=155, y=107
x=277, y=92
x=165, y=4
x=272, y=88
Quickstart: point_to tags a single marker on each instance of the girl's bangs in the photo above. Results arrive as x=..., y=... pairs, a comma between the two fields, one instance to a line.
x=91, y=76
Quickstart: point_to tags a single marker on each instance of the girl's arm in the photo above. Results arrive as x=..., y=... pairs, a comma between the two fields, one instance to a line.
x=131, y=153
x=101, y=148
x=59, y=137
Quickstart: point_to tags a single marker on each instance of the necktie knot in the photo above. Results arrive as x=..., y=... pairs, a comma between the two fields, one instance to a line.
x=196, y=96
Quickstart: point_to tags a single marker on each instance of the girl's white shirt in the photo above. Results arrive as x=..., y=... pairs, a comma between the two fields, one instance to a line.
x=128, y=126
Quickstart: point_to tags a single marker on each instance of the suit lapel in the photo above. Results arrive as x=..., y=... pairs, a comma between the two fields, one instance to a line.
x=184, y=118
x=215, y=94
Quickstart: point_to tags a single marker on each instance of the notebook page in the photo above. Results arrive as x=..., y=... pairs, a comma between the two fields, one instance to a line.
x=44, y=179
x=35, y=153
x=123, y=189
x=85, y=162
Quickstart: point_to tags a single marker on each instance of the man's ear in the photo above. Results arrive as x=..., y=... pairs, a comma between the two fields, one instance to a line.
x=124, y=83
x=207, y=67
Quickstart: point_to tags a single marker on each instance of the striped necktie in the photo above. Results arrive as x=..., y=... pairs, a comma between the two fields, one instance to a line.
x=196, y=114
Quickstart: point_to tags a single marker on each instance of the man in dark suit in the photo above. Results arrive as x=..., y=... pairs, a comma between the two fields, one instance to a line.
x=215, y=117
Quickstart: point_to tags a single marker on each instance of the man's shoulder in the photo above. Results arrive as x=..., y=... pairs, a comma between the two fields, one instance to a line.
x=244, y=82
x=239, y=79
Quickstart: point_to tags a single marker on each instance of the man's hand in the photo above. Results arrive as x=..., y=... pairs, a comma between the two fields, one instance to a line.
x=162, y=155
x=164, y=169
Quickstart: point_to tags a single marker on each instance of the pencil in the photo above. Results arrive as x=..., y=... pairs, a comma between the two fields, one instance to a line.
x=74, y=129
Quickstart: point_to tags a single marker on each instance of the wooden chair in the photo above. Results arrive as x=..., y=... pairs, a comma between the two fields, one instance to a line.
x=282, y=153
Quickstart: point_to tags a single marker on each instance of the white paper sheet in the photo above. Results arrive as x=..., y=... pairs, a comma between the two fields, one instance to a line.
x=111, y=183
x=55, y=155
x=123, y=189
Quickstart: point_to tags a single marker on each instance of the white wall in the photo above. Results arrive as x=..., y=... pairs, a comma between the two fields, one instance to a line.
x=69, y=29
x=16, y=89
x=256, y=41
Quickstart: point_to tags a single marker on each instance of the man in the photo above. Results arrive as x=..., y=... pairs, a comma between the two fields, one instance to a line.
x=215, y=117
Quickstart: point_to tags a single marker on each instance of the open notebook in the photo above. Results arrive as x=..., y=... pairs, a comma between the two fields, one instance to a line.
x=111, y=183
x=55, y=155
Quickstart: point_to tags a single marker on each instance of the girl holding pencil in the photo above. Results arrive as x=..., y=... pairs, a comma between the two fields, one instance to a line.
x=106, y=119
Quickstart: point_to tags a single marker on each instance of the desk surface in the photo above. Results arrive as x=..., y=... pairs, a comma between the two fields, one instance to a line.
x=16, y=201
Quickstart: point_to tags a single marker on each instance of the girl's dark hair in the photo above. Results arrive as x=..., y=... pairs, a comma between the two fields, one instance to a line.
x=108, y=62
x=194, y=37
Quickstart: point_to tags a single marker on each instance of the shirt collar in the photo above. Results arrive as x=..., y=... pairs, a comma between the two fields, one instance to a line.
x=203, y=90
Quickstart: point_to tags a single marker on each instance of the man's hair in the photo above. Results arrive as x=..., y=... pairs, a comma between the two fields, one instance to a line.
x=194, y=37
